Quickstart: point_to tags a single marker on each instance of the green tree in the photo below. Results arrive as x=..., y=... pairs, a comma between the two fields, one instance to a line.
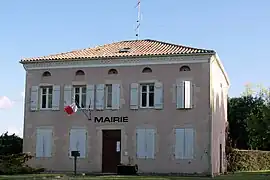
x=10, y=144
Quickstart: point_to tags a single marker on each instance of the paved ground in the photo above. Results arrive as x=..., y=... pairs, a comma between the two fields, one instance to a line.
x=236, y=176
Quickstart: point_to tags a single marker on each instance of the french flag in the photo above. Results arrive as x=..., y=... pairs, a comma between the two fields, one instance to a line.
x=70, y=109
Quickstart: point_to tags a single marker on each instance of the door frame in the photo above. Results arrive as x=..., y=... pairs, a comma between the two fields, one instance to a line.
x=100, y=142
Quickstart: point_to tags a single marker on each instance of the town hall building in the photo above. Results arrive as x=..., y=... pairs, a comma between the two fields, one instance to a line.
x=159, y=105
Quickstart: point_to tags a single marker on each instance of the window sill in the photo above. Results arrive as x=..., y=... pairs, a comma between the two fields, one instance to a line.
x=71, y=157
x=45, y=109
x=147, y=107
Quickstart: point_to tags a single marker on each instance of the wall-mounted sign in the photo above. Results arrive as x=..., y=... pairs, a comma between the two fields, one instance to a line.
x=111, y=119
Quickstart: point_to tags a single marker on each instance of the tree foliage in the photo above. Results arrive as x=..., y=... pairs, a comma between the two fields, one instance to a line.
x=249, y=119
x=10, y=144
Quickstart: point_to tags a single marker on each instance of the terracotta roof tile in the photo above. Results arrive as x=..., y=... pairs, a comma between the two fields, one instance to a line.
x=130, y=48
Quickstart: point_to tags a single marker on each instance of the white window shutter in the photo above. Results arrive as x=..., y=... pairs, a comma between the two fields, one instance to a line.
x=67, y=95
x=100, y=96
x=189, y=143
x=188, y=94
x=81, y=139
x=179, y=143
x=39, y=143
x=56, y=97
x=150, y=143
x=90, y=96
x=72, y=140
x=140, y=143
x=180, y=95
x=47, y=142
x=34, y=98
x=158, y=95
x=115, y=96
x=134, y=98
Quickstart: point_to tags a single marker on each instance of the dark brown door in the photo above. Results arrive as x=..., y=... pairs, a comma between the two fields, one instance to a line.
x=111, y=150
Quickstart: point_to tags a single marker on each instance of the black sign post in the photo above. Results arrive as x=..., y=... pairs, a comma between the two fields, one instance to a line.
x=75, y=154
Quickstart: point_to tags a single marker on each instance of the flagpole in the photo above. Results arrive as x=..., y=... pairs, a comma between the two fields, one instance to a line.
x=138, y=19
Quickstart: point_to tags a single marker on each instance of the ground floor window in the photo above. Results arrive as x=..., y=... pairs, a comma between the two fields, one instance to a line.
x=44, y=142
x=77, y=141
x=184, y=143
x=145, y=143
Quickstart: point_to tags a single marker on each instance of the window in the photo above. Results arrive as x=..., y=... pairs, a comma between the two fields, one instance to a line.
x=108, y=97
x=80, y=96
x=145, y=143
x=112, y=71
x=44, y=142
x=46, y=97
x=46, y=74
x=147, y=70
x=184, y=143
x=77, y=141
x=147, y=95
x=184, y=68
x=79, y=73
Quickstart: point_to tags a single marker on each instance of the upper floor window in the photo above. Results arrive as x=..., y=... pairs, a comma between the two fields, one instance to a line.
x=80, y=73
x=46, y=97
x=108, y=96
x=80, y=96
x=184, y=68
x=112, y=71
x=147, y=95
x=146, y=70
x=46, y=74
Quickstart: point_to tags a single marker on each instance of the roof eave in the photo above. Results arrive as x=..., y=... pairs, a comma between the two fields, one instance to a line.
x=111, y=57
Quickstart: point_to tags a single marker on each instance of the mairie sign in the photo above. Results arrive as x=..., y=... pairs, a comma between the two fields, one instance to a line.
x=110, y=119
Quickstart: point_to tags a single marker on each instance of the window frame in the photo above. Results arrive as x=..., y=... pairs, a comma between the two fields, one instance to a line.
x=47, y=97
x=147, y=95
x=107, y=94
x=80, y=95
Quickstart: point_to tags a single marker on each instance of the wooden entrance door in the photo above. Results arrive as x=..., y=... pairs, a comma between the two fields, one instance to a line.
x=111, y=150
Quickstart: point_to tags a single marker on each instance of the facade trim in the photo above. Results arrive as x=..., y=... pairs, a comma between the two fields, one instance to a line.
x=116, y=62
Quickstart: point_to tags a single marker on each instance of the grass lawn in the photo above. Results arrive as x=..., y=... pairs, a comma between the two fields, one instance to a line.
x=236, y=176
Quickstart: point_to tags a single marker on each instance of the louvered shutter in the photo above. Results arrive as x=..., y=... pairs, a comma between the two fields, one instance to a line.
x=150, y=143
x=115, y=96
x=180, y=95
x=72, y=141
x=56, y=97
x=179, y=143
x=188, y=94
x=134, y=98
x=100, y=96
x=90, y=96
x=47, y=134
x=140, y=143
x=34, y=98
x=67, y=95
x=158, y=95
x=189, y=143
x=39, y=143
x=81, y=139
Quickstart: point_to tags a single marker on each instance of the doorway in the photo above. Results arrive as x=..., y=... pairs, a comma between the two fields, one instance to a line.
x=111, y=150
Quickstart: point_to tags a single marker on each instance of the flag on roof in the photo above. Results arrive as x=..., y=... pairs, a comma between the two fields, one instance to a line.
x=70, y=109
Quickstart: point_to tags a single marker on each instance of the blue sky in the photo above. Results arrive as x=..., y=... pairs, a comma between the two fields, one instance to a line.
x=237, y=30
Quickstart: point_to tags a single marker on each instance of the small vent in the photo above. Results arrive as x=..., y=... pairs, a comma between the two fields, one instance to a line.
x=123, y=50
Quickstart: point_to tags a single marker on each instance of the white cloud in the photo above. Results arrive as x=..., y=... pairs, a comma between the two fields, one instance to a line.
x=5, y=102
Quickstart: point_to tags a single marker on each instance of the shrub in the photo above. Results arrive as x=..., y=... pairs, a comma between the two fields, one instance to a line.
x=248, y=160
x=15, y=164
